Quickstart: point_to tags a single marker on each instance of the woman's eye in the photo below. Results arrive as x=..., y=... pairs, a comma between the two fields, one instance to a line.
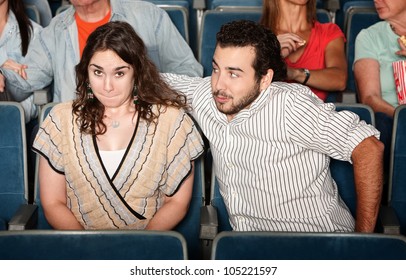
x=120, y=74
x=97, y=72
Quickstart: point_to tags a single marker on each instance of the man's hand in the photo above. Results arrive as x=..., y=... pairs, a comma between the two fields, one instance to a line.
x=16, y=67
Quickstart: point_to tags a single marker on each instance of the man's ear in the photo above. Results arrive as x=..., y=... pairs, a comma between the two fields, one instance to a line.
x=266, y=79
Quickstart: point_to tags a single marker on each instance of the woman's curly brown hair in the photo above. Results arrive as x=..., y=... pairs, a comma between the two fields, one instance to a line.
x=121, y=38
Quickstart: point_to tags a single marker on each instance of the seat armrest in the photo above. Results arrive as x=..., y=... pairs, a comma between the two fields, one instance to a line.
x=26, y=217
x=43, y=96
x=208, y=229
x=388, y=220
x=208, y=222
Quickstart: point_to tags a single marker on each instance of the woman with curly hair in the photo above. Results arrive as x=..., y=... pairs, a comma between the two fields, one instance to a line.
x=121, y=154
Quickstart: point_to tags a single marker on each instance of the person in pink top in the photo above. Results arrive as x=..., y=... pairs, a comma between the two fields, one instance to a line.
x=313, y=51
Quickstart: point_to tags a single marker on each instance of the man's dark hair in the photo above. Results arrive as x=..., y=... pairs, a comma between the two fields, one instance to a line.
x=244, y=33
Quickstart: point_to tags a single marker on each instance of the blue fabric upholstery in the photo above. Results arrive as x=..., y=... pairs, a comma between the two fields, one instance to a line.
x=360, y=15
x=341, y=16
x=217, y=201
x=42, y=221
x=192, y=19
x=190, y=225
x=13, y=160
x=342, y=171
x=92, y=245
x=307, y=246
x=397, y=186
x=178, y=11
x=211, y=23
x=33, y=13
x=213, y=4
x=3, y=224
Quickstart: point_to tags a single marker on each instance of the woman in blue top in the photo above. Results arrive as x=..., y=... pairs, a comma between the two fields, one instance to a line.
x=16, y=33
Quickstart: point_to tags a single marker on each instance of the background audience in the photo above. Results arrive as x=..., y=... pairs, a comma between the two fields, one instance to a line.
x=313, y=51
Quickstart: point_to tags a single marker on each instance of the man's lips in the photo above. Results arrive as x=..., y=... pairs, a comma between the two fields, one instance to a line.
x=221, y=99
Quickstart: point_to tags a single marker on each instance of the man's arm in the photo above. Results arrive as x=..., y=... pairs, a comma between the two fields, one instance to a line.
x=367, y=160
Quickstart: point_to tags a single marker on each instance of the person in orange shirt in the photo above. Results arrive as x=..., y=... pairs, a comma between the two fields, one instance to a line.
x=54, y=55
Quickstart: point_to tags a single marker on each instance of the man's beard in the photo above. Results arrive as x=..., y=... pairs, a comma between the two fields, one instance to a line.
x=243, y=103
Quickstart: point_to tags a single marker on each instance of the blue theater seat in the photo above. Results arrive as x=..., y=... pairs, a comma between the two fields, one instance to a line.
x=13, y=162
x=397, y=170
x=307, y=246
x=92, y=245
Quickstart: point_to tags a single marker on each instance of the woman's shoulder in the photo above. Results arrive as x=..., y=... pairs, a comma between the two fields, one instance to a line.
x=327, y=27
x=169, y=111
x=61, y=109
x=379, y=31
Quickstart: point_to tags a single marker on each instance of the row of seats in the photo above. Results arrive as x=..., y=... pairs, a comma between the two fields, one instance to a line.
x=206, y=221
x=155, y=245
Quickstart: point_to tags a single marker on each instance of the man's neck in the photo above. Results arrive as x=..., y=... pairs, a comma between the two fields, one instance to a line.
x=93, y=12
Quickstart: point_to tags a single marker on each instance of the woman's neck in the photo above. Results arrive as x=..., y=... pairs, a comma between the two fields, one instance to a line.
x=398, y=23
x=398, y=27
x=119, y=112
x=293, y=18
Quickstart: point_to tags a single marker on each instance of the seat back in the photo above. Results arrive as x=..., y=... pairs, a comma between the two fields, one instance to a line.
x=307, y=246
x=42, y=222
x=178, y=11
x=211, y=22
x=33, y=13
x=358, y=17
x=219, y=4
x=189, y=227
x=342, y=171
x=217, y=201
x=13, y=160
x=397, y=167
x=92, y=245
x=345, y=6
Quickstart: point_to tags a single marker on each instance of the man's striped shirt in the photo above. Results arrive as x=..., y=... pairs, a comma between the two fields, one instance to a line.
x=272, y=160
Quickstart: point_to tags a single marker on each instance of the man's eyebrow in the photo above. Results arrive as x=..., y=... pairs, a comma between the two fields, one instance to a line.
x=230, y=68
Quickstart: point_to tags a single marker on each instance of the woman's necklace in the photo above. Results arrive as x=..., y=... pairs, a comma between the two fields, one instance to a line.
x=115, y=124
